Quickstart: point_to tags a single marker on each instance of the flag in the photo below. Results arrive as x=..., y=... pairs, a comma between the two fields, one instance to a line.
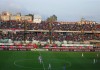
x=89, y=47
x=3, y=46
x=29, y=46
x=47, y=46
x=54, y=45
x=20, y=46
x=11, y=46
x=35, y=46
x=72, y=47
x=63, y=46
x=80, y=47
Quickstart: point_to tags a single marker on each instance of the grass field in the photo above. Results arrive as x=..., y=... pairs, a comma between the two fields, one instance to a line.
x=28, y=60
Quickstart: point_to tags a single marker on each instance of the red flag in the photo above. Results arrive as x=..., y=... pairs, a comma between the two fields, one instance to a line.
x=47, y=46
x=89, y=47
x=80, y=47
x=20, y=46
x=11, y=46
x=28, y=46
x=55, y=46
x=35, y=46
x=63, y=47
x=3, y=46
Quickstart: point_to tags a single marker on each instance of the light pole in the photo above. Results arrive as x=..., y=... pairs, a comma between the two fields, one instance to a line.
x=50, y=32
x=25, y=30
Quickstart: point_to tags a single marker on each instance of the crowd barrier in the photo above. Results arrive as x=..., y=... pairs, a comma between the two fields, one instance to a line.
x=59, y=49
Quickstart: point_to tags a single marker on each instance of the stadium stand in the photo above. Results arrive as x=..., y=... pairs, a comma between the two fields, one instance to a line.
x=70, y=33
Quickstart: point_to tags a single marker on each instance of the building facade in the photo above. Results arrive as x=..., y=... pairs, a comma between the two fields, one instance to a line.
x=37, y=19
x=6, y=16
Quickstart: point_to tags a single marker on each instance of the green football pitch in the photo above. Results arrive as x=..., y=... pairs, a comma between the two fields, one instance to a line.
x=28, y=60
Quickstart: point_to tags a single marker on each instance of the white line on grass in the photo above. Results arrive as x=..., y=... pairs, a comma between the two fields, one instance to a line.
x=21, y=66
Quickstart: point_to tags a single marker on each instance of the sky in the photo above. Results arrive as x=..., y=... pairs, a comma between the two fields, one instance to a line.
x=65, y=10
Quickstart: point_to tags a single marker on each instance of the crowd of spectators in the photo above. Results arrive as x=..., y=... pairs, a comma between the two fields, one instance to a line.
x=45, y=36
x=98, y=27
x=48, y=26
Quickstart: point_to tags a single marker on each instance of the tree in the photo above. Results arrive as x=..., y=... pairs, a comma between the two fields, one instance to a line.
x=31, y=15
x=52, y=18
